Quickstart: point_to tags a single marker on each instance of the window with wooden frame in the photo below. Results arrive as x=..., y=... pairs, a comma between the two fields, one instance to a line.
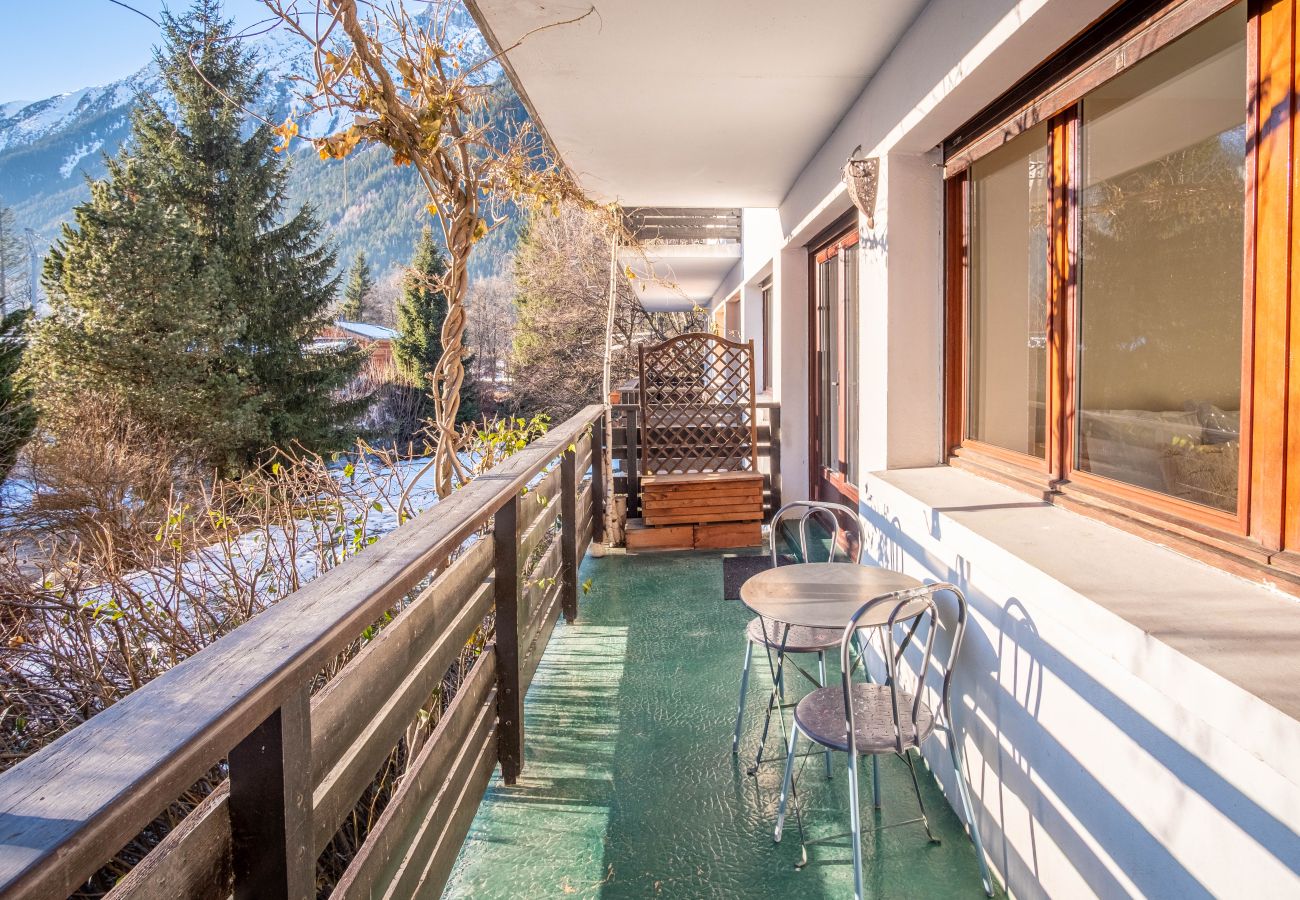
x=1116, y=292
x=765, y=293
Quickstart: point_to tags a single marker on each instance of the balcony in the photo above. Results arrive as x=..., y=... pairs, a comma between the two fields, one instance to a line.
x=615, y=774
x=629, y=786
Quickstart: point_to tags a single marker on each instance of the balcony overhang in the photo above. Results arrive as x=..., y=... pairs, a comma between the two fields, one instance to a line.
x=676, y=277
x=688, y=104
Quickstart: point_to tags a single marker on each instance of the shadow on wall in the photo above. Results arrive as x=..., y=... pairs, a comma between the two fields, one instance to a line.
x=1025, y=772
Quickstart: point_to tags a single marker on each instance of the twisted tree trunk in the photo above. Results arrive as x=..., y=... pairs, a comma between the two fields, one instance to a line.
x=449, y=374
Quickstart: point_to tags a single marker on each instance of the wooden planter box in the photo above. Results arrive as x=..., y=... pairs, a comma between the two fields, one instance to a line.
x=704, y=511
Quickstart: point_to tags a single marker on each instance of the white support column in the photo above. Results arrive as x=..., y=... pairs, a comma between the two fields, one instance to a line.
x=790, y=360
x=751, y=326
x=901, y=318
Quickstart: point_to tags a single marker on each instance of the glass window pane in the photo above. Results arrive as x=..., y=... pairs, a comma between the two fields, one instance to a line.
x=826, y=361
x=1008, y=296
x=1163, y=224
x=832, y=406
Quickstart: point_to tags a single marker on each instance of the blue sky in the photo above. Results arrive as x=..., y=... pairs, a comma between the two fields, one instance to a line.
x=51, y=46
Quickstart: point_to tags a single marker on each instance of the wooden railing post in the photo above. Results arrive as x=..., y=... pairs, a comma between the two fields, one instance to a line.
x=598, y=479
x=509, y=590
x=569, y=534
x=270, y=806
x=632, y=460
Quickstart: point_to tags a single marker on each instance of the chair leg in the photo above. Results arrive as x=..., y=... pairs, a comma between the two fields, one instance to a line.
x=916, y=786
x=775, y=699
x=855, y=826
x=744, y=688
x=968, y=813
x=861, y=642
x=786, y=782
x=821, y=674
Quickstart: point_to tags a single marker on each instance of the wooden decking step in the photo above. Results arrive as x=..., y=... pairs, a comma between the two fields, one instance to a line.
x=664, y=537
x=705, y=536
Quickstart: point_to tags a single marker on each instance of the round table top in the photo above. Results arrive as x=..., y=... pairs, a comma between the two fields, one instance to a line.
x=822, y=595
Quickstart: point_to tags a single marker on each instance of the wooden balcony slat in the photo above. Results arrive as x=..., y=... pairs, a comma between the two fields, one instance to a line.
x=383, y=664
x=536, y=586
x=443, y=767
x=338, y=792
x=543, y=522
x=548, y=615
x=192, y=861
x=583, y=455
x=426, y=870
x=699, y=223
x=585, y=511
x=531, y=508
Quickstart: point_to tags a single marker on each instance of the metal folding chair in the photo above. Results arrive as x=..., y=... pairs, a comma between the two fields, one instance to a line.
x=875, y=719
x=780, y=639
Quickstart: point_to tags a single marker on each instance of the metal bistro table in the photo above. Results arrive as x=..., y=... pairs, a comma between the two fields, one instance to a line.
x=821, y=595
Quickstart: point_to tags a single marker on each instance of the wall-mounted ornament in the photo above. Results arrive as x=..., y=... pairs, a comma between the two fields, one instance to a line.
x=862, y=178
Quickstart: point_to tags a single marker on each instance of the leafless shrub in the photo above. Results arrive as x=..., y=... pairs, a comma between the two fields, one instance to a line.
x=84, y=624
x=562, y=279
x=108, y=485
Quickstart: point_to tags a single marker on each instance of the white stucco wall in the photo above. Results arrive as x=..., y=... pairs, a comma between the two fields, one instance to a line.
x=1105, y=762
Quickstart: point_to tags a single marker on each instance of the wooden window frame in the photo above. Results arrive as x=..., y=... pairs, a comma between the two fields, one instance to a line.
x=845, y=236
x=1261, y=538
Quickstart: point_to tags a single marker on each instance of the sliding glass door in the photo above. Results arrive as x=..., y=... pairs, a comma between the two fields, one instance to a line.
x=835, y=370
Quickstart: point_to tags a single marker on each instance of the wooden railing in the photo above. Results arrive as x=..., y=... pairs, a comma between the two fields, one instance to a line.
x=626, y=446
x=298, y=762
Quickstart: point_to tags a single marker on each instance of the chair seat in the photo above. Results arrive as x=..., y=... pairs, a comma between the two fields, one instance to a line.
x=820, y=715
x=800, y=639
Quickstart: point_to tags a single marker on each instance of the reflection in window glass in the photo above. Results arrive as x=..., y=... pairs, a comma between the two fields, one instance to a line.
x=1162, y=229
x=1008, y=296
x=828, y=315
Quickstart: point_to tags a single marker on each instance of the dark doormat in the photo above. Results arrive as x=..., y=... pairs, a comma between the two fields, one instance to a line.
x=736, y=570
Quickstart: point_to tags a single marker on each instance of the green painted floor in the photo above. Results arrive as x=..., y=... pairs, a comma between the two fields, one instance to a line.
x=630, y=788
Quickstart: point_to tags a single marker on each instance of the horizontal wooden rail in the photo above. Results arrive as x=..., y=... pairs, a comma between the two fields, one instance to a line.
x=299, y=766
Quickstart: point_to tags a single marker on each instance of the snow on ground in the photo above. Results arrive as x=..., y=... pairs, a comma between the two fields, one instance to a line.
x=276, y=560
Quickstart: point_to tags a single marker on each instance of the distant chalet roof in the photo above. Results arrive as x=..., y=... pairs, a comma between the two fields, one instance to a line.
x=370, y=332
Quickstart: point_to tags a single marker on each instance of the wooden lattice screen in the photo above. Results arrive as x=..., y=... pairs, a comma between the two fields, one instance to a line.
x=697, y=406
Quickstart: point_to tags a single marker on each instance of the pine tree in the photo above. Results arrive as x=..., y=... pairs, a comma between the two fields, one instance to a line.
x=421, y=310
x=357, y=291
x=182, y=292
x=17, y=414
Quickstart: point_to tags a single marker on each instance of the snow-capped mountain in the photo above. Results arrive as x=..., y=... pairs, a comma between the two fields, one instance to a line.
x=27, y=123
x=49, y=147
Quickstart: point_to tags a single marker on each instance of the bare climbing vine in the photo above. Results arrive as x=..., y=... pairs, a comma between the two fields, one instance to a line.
x=381, y=75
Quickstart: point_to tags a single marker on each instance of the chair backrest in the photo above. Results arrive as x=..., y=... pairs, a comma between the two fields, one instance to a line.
x=915, y=615
x=842, y=524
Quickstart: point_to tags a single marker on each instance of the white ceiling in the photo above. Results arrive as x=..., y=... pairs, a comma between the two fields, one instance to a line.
x=692, y=102
x=671, y=277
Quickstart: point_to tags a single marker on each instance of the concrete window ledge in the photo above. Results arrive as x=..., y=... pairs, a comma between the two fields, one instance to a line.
x=1132, y=716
